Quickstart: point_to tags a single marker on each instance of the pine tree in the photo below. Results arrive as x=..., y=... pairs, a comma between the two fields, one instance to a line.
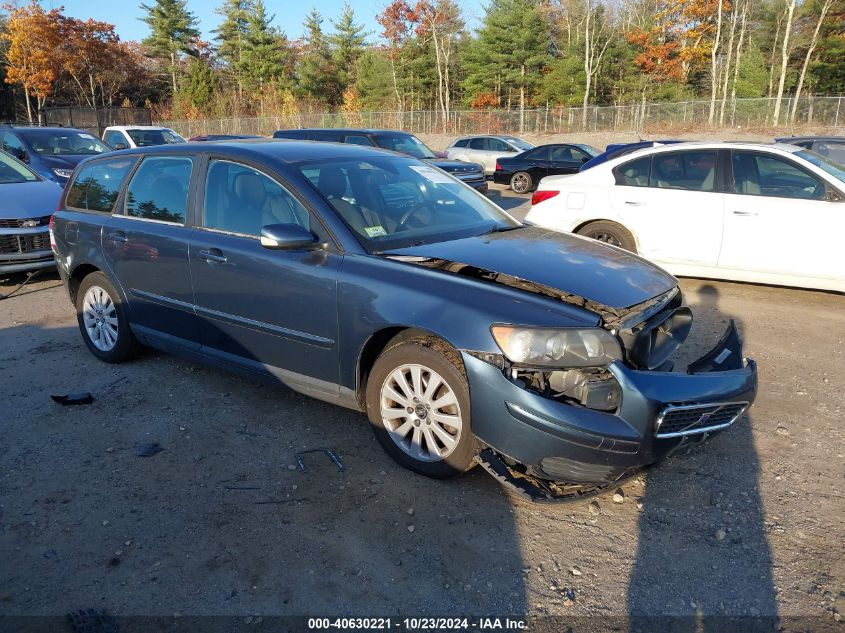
x=172, y=33
x=231, y=33
x=200, y=85
x=316, y=72
x=347, y=42
x=264, y=55
x=512, y=48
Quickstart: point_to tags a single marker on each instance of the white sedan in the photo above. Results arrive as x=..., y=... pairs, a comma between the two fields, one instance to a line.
x=747, y=212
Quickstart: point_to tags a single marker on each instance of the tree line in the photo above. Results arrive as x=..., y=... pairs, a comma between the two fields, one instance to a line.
x=424, y=56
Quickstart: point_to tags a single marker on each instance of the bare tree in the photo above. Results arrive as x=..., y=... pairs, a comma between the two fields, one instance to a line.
x=727, y=70
x=810, y=50
x=714, y=76
x=594, y=31
x=742, y=30
x=787, y=30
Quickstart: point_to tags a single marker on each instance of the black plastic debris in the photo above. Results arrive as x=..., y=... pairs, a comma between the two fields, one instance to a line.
x=78, y=397
x=148, y=450
x=92, y=621
x=331, y=454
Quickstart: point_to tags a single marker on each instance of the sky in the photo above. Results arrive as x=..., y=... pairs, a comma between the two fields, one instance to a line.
x=289, y=16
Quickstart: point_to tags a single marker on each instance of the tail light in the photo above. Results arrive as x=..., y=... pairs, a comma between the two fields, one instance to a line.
x=539, y=196
x=498, y=166
x=50, y=229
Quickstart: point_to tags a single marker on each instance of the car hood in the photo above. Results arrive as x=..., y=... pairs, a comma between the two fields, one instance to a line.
x=453, y=166
x=64, y=161
x=24, y=200
x=573, y=266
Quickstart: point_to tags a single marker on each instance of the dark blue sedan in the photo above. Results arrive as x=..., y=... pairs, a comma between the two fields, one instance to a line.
x=380, y=283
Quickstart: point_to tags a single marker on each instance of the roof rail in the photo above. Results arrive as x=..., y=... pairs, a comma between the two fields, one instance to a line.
x=28, y=124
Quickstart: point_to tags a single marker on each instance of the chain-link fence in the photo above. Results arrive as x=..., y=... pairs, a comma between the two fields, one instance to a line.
x=640, y=117
x=94, y=119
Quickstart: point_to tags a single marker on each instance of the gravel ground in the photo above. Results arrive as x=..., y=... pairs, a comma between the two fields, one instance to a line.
x=222, y=523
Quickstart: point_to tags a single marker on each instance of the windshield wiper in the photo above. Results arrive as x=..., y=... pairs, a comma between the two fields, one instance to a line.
x=502, y=229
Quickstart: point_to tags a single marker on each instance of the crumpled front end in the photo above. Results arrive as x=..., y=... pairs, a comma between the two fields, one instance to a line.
x=595, y=426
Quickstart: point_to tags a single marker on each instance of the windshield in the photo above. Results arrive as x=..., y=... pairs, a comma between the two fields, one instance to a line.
x=11, y=171
x=64, y=142
x=833, y=168
x=146, y=138
x=393, y=202
x=408, y=145
x=518, y=143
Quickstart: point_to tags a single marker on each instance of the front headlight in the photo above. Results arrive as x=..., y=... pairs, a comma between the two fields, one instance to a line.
x=63, y=173
x=557, y=347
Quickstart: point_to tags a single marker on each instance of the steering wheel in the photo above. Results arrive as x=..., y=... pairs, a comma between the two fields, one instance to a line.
x=410, y=213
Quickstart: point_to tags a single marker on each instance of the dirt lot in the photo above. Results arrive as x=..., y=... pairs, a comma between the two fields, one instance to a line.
x=222, y=522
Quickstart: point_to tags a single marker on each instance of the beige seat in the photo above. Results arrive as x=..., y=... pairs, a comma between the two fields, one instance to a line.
x=332, y=184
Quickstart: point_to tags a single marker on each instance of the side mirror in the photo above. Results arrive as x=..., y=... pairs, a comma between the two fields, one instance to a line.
x=20, y=154
x=289, y=237
x=512, y=149
x=585, y=159
x=119, y=146
x=831, y=194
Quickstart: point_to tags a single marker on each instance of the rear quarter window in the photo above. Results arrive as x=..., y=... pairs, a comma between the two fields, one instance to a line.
x=97, y=185
x=635, y=173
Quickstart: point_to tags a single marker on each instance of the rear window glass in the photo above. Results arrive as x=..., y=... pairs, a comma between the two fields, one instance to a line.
x=97, y=185
x=159, y=189
x=635, y=173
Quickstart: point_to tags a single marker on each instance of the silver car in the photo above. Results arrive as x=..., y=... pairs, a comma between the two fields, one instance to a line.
x=486, y=149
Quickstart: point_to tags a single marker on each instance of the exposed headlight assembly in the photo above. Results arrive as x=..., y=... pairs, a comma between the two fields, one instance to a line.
x=557, y=347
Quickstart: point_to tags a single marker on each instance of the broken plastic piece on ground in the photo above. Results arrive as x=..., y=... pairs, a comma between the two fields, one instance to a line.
x=327, y=451
x=533, y=488
x=148, y=450
x=92, y=621
x=77, y=397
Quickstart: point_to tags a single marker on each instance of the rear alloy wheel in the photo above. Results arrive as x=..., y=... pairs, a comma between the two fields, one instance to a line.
x=609, y=233
x=102, y=320
x=521, y=182
x=418, y=404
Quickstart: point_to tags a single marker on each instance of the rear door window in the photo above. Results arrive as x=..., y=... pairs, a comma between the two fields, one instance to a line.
x=693, y=171
x=97, y=185
x=479, y=143
x=634, y=174
x=541, y=153
x=159, y=189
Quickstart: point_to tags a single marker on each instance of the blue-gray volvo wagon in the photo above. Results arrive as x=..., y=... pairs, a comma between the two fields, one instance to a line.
x=380, y=283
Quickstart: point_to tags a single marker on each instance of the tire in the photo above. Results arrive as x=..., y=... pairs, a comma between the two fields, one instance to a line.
x=102, y=320
x=433, y=454
x=521, y=182
x=609, y=233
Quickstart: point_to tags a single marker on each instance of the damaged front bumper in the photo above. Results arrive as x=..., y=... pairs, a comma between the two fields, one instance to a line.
x=549, y=440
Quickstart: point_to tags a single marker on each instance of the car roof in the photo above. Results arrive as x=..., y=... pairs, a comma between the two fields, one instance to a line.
x=40, y=129
x=674, y=147
x=790, y=139
x=137, y=127
x=282, y=150
x=358, y=130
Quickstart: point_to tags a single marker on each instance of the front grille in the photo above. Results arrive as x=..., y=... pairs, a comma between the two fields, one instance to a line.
x=19, y=224
x=24, y=243
x=675, y=421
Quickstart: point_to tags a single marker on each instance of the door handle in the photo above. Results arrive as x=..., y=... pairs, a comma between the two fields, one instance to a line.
x=745, y=213
x=117, y=236
x=213, y=255
x=634, y=203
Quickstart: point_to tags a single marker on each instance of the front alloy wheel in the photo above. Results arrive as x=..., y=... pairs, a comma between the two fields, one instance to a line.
x=421, y=413
x=419, y=408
